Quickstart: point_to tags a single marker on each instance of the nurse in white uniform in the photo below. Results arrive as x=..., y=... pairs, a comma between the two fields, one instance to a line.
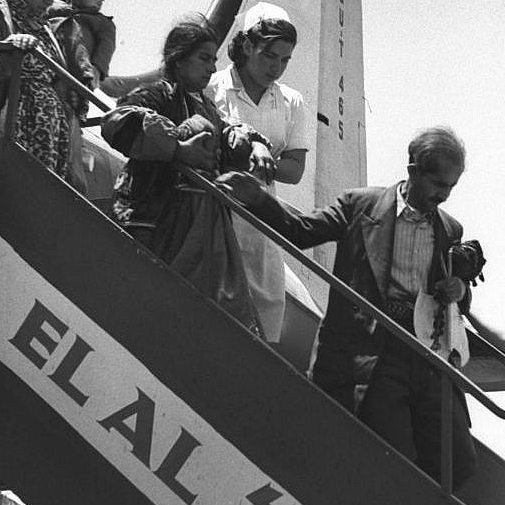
x=248, y=91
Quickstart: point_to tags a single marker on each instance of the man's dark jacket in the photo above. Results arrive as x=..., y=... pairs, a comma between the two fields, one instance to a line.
x=362, y=222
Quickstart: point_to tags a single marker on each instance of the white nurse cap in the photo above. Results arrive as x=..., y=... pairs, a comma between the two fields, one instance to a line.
x=262, y=10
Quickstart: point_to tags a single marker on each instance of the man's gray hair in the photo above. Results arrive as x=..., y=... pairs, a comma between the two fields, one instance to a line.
x=433, y=144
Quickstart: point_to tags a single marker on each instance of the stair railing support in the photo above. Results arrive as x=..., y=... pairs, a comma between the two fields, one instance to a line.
x=447, y=401
x=208, y=244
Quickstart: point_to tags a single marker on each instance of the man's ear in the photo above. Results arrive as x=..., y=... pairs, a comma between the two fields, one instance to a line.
x=412, y=169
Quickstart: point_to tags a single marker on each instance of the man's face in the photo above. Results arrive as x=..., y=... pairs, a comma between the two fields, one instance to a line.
x=430, y=189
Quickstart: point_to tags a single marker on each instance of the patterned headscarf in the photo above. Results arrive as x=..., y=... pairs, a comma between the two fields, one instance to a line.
x=26, y=22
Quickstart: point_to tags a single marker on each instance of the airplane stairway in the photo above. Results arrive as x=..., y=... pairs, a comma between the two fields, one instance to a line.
x=121, y=383
x=484, y=369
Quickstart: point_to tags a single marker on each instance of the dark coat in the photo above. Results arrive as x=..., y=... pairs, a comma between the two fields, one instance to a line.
x=362, y=222
x=142, y=189
x=161, y=209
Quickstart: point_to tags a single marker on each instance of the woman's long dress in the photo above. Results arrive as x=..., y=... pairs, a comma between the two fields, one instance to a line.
x=41, y=127
x=161, y=209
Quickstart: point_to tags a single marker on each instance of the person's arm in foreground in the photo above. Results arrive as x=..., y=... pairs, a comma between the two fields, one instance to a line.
x=304, y=230
x=136, y=129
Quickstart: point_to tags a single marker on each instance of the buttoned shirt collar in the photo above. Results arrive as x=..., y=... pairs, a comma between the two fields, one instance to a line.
x=403, y=207
x=401, y=204
x=233, y=81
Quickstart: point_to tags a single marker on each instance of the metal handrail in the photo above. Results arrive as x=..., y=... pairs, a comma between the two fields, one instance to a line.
x=348, y=292
x=67, y=77
x=334, y=282
x=496, y=351
x=448, y=372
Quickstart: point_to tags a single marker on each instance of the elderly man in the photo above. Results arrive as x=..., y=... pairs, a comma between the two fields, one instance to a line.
x=391, y=242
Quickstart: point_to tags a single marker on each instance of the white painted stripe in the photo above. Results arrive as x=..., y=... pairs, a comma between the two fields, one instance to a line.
x=215, y=470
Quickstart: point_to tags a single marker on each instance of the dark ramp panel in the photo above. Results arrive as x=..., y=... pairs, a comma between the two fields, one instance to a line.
x=302, y=443
x=487, y=486
x=46, y=463
x=298, y=333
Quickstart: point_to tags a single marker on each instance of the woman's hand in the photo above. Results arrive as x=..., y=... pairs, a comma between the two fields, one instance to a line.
x=261, y=162
x=198, y=152
x=195, y=124
x=449, y=290
x=22, y=41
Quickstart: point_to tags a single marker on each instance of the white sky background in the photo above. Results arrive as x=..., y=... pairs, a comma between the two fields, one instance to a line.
x=140, y=20
x=433, y=62
x=426, y=63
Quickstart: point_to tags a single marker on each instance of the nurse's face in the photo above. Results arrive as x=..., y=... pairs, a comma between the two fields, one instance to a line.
x=267, y=61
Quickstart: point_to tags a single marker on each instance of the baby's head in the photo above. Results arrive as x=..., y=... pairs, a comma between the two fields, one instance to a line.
x=88, y=4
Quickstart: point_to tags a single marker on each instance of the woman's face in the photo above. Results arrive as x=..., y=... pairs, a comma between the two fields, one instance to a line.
x=266, y=62
x=38, y=7
x=195, y=71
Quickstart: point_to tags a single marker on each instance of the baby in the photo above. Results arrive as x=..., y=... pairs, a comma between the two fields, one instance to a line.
x=98, y=32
